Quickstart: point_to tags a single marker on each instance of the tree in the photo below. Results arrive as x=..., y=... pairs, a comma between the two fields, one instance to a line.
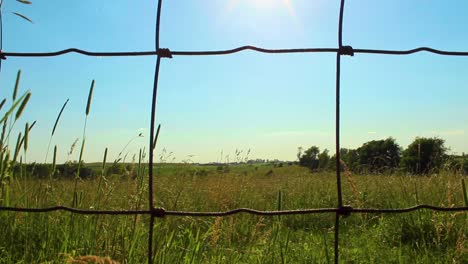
x=323, y=159
x=349, y=158
x=424, y=155
x=379, y=155
x=299, y=152
x=309, y=158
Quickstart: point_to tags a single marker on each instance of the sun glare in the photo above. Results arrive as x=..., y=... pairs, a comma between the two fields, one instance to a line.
x=262, y=4
x=265, y=12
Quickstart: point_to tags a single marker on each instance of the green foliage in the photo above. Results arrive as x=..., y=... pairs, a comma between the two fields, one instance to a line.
x=310, y=158
x=377, y=156
x=424, y=155
x=8, y=121
x=70, y=170
x=223, y=168
x=324, y=159
x=116, y=168
x=419, y=237
x=350, y=159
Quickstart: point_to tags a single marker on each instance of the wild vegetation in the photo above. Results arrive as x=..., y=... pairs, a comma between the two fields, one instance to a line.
x=58, y=237
x=422, y=156
x=419, y=237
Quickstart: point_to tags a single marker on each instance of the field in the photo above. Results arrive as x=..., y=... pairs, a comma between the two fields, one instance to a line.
x=58, y=237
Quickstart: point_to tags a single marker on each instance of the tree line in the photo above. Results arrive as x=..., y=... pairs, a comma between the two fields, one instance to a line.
x=422, y=156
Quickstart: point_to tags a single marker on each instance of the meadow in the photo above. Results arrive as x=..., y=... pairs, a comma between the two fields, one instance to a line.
x=60, y=237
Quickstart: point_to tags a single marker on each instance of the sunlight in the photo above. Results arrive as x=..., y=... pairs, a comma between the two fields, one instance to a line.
x=267, y=18
x=289, y=6
x=262, y=4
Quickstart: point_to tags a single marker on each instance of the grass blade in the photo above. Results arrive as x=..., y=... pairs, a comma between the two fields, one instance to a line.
x=15, y=91
x=32, y=125
x=90, y=96
x=29, y=130
x=17, y=148
x=2, y=103
x=22, y=106
x=12, y=108
x=23, y=17
x=58, y=117
x=156, y=136
x=55, y=127
x=465, y=194
x=26, y=135
x=104, y=161
x=54, y=161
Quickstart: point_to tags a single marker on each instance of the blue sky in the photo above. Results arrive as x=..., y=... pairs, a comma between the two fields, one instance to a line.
x=270, y=104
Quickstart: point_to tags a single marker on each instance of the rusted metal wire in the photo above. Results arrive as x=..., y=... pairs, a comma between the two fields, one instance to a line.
x=161, y=212
x=339, y=211
x=341, y=51
x=74, y=210
x=166, y=53
x=161, y=53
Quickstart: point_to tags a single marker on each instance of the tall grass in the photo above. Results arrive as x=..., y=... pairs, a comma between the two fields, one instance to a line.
x=7, y=161
x=55, y=127
x=407, y=238
x=77, y=196
x=58, y=237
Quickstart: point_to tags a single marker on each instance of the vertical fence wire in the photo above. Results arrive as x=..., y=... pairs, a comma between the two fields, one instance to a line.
x=1, y=33
x=152, y=134
x=153, y=212
x=337, y=132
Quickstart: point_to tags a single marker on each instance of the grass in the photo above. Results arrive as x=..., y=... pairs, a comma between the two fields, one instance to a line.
x=61, y=237
x=420, y=237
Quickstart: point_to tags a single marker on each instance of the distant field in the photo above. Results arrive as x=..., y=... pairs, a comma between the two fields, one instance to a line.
x=420, y=237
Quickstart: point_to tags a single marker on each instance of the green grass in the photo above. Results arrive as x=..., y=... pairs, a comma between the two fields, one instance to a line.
x=419, y=237
x=58, y=237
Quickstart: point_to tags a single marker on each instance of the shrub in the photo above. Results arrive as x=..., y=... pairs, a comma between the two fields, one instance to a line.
x=424, y=155
x=70, y=169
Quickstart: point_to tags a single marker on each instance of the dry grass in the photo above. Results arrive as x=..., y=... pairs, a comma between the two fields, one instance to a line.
x=243, y=238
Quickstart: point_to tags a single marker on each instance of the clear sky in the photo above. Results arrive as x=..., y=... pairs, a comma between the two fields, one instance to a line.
x=270, y=104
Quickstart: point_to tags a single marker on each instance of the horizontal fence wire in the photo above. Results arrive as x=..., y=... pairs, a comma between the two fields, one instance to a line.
x=160, y=212
x=341, y=210
x=169, y=53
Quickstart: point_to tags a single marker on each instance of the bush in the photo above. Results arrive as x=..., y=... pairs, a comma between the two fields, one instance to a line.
x=223, y=169
x=309, y=158
x=116, y=168
x=33, y=170
x=424, y=155
x=70, y=169
x=378, y=156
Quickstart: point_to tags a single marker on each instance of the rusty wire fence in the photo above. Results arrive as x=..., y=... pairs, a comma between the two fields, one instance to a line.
x=340, y=210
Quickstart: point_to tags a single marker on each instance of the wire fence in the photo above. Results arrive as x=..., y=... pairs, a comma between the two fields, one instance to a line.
x=340, y=211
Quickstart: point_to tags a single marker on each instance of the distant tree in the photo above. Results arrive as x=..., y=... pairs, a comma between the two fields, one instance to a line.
x=309, y=158
x=349, y=158
x=299, y=152
x=379, y=155
x=323, y=159
x=424, y=155
x=457, y=164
